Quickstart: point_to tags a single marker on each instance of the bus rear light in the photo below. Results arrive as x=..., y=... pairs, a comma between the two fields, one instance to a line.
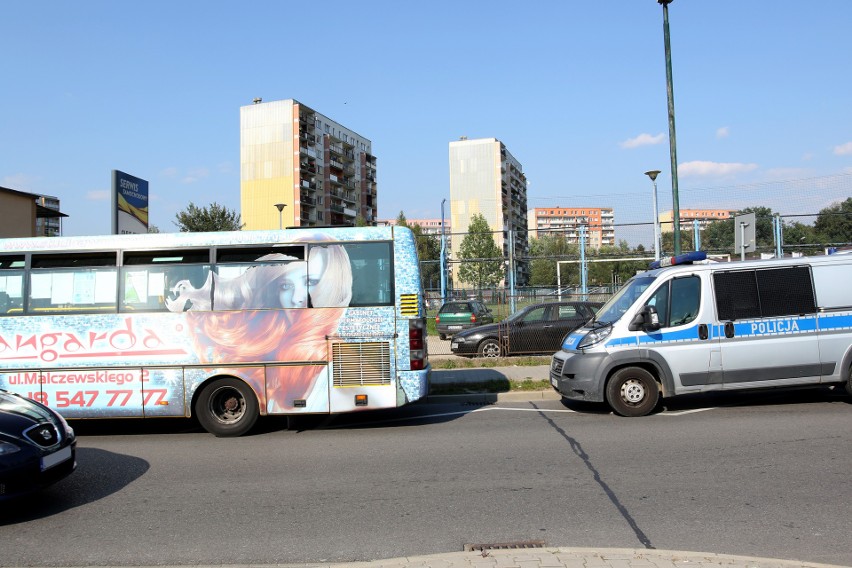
x=417, y=344
x=360, y=400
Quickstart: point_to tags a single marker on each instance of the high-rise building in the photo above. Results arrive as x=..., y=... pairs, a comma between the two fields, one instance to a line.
x=321, y=172
x=486, y=179
x=599, y=223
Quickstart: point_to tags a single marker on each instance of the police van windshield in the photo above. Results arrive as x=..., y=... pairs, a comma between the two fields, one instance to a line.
x=623, y=299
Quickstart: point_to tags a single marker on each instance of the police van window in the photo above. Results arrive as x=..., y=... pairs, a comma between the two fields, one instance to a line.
x=736, y=295
x=768, y=292
x=677, y=301
x=660, y=301
x=685, y=300
x=786, y=291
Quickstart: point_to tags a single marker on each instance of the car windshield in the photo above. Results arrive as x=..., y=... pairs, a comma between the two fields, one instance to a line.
x=623, y=299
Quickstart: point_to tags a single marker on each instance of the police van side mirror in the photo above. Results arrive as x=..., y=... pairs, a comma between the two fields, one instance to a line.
x=647, y=320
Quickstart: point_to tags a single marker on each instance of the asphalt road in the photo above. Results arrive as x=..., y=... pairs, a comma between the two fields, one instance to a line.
x=764, y=475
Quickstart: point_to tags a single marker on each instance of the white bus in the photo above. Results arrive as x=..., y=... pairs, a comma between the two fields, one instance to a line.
x=224, y=326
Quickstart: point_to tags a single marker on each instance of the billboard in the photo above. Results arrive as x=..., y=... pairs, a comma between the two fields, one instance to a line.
x=129, y=204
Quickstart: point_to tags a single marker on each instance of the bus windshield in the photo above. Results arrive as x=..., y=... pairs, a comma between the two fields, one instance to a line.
x=623, y=299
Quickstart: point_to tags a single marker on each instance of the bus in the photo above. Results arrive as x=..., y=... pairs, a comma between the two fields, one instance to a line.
x=224, y=326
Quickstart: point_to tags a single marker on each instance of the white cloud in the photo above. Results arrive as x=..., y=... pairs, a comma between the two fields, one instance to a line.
x=19, y=182
x=723, y=132
x=843, y=149
x=97, y=195
x=643, y=140
x=195, y=175
x=700, y=168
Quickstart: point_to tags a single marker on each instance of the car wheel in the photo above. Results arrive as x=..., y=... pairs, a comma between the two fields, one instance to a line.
x=227, y=407
x=849, y=383
x=632, y=392
x=489, y=348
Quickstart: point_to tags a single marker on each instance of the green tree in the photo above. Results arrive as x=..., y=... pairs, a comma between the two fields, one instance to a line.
x=213, y=218
x=545, y=252
x=481, y=260
x=834, y=223
x=719, y=236
x=153, y=229
x=360, y=221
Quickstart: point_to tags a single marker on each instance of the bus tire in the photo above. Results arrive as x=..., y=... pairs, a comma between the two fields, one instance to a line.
x=489, y=348
x=227, y=407
x=632, y=391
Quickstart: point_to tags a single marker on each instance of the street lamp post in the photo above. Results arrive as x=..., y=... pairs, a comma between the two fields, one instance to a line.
x=280, y=207
x=443, y=256
x=653, y=175
x=672, y=141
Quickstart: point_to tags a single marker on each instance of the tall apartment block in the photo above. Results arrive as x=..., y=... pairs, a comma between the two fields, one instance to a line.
x=322, y=172
x=49, y=224
x=486, y=179
x=599, y=223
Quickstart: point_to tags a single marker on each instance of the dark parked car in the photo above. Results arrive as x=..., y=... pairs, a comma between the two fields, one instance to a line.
x=463, y=314
x=37, y=446
x=539, y=328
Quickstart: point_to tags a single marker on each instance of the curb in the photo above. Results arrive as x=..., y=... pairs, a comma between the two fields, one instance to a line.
x=492, y=397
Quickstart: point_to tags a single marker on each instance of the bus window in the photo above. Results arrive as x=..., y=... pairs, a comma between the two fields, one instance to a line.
x=154, y=280
x=372, y=273
x=266, y=277
x=11, y=284
x=73, y=283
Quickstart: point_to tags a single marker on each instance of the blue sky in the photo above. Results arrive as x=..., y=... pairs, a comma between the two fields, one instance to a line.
x=576, y=91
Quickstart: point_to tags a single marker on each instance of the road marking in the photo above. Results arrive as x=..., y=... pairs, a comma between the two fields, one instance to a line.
x=682, y=412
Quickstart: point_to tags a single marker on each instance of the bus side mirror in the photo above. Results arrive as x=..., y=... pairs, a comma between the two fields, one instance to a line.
x=647, y=320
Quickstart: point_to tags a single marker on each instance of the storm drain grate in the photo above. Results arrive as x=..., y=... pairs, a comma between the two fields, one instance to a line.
x=505, y=545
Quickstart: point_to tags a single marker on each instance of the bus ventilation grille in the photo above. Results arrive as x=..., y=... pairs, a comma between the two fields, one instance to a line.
x=357, y=364
x=408, y=305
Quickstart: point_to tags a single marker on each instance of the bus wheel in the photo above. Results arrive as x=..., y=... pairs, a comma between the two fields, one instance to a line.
x=226, y=408
x=632, y=392
x=489, y=348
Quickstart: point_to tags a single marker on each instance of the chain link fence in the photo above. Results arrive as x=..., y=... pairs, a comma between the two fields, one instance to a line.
x=792, y=218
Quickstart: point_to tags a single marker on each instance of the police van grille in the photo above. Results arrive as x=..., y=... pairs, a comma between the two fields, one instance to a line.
x=357, y=364
x=556, y=365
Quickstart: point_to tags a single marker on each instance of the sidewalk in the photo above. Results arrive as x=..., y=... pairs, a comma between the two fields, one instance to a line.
x=459, y=377
x=552, y=557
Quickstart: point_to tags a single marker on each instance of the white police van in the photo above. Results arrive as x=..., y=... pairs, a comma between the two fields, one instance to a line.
x=688, y=328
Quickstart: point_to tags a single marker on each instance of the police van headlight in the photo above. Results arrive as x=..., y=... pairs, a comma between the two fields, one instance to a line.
x=595, y=336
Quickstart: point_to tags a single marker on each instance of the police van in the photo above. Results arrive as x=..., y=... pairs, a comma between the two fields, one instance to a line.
x=693, y=327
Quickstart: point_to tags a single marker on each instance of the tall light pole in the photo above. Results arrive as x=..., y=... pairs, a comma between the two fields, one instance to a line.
x=653, y=175
x=443, y=255
x=672, y=141
x=280, y=207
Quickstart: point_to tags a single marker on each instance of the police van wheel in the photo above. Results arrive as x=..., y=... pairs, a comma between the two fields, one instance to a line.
x=632, y=392
x=848, y=384
x=227, y=407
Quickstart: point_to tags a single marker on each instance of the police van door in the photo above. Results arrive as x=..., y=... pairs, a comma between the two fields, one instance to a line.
x=684, y=343
x=768, y=327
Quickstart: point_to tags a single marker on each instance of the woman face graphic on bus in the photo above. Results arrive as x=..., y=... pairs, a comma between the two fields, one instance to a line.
x=234, y=319
x=278, y=281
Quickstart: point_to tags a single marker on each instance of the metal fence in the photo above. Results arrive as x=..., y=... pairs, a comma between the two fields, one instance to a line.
x=799, y=217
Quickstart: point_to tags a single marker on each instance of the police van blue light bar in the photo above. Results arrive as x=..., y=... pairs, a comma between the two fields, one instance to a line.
x=686, y=258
